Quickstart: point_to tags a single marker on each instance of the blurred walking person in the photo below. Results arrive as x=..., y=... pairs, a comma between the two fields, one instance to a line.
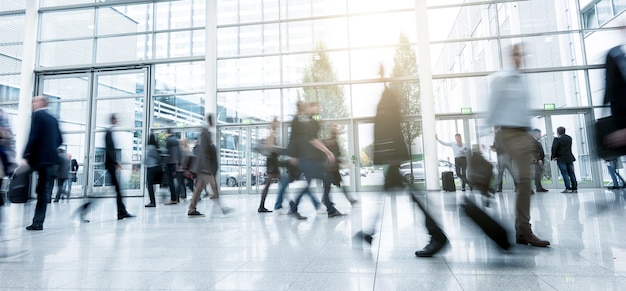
x=111, y=165
x=333, y=168
x=173, y=164
x=205, y=169
x=41, y=155
x=272, y=170
x=312, y=158
x=152, y=162
x=538, y=160
x=509, y=111
x=7, y=148
x=63, y=173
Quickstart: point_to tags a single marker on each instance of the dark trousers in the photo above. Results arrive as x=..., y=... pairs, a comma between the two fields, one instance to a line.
x=315, y=170
x=44, y=191
x=150, y=180
x=112, y=170
x=180, y=183
x=461, y=169
x=538, y=175
x=171, y=172
x=60, y=188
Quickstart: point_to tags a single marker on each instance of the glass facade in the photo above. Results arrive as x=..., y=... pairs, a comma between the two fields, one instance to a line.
x=271, y=54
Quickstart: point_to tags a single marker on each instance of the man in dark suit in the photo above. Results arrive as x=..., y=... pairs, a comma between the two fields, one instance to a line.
x=615, y=94
x=111, y=165
x=562, y=153
x=41, y=155
x=173, y=150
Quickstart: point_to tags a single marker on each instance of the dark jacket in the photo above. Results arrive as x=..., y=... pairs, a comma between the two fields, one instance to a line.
x=537, y=153
x=615, y=88
x=206, y=161
x=389, y=145
x=562, y=149
x=43, y=140
x=63, y=169
x=173, y=150
x=110, y=157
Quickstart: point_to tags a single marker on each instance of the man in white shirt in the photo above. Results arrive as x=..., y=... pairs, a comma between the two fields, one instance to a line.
x=508, y=111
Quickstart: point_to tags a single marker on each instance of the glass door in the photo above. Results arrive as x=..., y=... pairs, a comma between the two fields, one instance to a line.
x=122, y=93
x=241, y=169
x=69, y=97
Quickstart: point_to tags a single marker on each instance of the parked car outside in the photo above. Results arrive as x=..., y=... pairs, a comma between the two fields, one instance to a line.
x=231, y=176
x=418, y=170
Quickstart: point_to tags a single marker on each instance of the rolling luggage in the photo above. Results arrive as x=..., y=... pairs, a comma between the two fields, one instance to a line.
x=490, y=226
x=447, y=181
x=19, y=187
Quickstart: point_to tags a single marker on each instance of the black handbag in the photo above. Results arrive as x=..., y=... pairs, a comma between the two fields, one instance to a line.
x=604, y=127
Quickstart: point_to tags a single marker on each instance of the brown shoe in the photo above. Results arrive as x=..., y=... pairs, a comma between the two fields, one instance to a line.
x=170, y=202
x=531, y=239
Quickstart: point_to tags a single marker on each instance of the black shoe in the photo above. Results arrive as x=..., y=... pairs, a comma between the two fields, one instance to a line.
x=195, y=213
x=125, y=215
x=264, y=210
x=56, y=200
x=542, y=190
x=34, y=227
x=297, y=215
x=334, y=214
x=433, y=247
x=366, y=237
x=151, y=204
x=574, y=191
x=463, y=189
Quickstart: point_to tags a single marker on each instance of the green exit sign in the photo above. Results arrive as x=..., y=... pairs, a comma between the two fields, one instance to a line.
x=246, y=121
x=549, y=106
x=466, y=110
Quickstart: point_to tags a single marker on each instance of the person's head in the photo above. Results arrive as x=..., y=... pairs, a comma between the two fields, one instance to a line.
x=153, y=141
x=301, y=107
x=184, y=143
x=39, y=102
x=168, y=131
x=313, y=108
x=560, y=130
x=196, y=141
x=537, y=133
x=517, y=55
x=113, y=119
x=69, y=156
x=458, y=138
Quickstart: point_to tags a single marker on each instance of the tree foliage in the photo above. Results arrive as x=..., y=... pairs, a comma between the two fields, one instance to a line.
x=408, y=92
x=331, y=98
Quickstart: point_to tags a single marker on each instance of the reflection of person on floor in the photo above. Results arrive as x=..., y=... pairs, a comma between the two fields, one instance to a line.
x=391, y=150
x=461, y=151
x=63, y=173
x=509, y=111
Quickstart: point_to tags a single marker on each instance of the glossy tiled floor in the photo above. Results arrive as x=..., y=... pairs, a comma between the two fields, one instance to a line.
x=164, y=249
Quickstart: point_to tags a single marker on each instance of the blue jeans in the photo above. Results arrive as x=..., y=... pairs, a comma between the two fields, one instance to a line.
x=284, y=182
x=569, y=177
x=612, y=166
x=313, y=169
